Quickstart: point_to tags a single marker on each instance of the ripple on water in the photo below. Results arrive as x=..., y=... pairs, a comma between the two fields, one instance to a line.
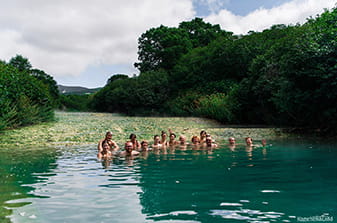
x=270, y=191
x=247, y=214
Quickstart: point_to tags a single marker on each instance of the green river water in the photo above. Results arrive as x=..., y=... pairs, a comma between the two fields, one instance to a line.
x=50, y=173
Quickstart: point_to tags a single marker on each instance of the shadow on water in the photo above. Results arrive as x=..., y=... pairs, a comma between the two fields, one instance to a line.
x=20, y=169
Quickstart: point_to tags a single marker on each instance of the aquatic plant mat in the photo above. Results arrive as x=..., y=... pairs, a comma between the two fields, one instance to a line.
x=82, y=128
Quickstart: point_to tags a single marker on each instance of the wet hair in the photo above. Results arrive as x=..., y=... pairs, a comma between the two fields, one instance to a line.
x=155, y=136
x=108, y=133
x=172, y=134
x=132, y=135
x=128, y=142
x=202, y=132
x=248, y=138
x=105, y=142
x=195, y=137
x=144, y=141
x=182, y=137
x=163, y=133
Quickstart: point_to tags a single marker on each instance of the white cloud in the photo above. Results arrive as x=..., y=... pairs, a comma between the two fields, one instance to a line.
x=296, y=11
x=65, y=37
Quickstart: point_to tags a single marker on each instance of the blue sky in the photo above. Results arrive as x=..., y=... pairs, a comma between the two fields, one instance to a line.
x=84, y=42
x=238, y=7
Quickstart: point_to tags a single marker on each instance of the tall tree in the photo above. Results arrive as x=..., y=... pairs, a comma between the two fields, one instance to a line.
x=161, y=48
x=21, y=63
x=202, y=33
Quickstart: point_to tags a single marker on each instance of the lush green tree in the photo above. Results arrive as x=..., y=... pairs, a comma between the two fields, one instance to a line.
x=160, y=48
x=21, y=63
x=146, y=92
x=201, y=33
x=24, y=100
x=284, y=75
x=116, y=77
x=74, y=102
x=50, y=84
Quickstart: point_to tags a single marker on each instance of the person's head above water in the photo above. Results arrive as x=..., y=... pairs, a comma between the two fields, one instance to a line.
x=156, y=139
x=128, y=146
x=195, y=139
x=182, y=139
x=163, y=134
x=231, y=140
x=105, y=145
x=249, y=141
x=144, y=143
x=133, y=136
x=172, y=136
x=203, y=134
x=108, y=135
x=208, y=141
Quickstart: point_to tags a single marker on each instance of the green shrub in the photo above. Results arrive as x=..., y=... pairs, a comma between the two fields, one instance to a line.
x=24, y=100
x=219, y=106
x=183, y=105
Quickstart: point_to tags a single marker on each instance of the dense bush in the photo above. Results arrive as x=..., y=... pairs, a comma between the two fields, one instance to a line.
x=147, y=92
x=24, y=100
x=74, y=102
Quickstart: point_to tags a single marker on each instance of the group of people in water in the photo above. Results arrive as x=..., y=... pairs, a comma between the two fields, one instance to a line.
x=108, y=148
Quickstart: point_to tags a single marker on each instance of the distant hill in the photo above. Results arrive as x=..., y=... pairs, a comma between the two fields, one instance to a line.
x=76, y=90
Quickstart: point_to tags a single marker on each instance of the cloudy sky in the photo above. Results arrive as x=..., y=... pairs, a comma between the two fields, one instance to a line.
x=84, y=42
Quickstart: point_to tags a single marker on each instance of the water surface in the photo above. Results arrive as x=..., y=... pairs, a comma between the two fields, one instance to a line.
x=280, y=183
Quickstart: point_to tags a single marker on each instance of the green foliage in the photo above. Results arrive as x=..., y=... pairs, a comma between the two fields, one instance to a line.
x=24, y=100
x=74, y=102
x=284, y=75
x=185, y=104
x=160, y=48
x=49, y=83
x=146, y=92
x=217, y=106
x=21, y=63
x=201, y=33
x=116, y=77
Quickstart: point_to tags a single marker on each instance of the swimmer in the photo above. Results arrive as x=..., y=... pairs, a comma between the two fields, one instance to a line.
x=249, y=141
x=105, y=153
x=128, y=150
x=264, y=142
x=112, y=144
x=231, y=143
x=203, y=136
x=156, y=142
x=135, y=144
x=182, y=142
x=144, y=146
x=163, y=140
x=210, y=144
x=195, y=140
x=173, y=141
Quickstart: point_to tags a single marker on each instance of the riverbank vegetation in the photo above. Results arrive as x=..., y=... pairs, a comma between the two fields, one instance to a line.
x=27, y=95
x=284, y=75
